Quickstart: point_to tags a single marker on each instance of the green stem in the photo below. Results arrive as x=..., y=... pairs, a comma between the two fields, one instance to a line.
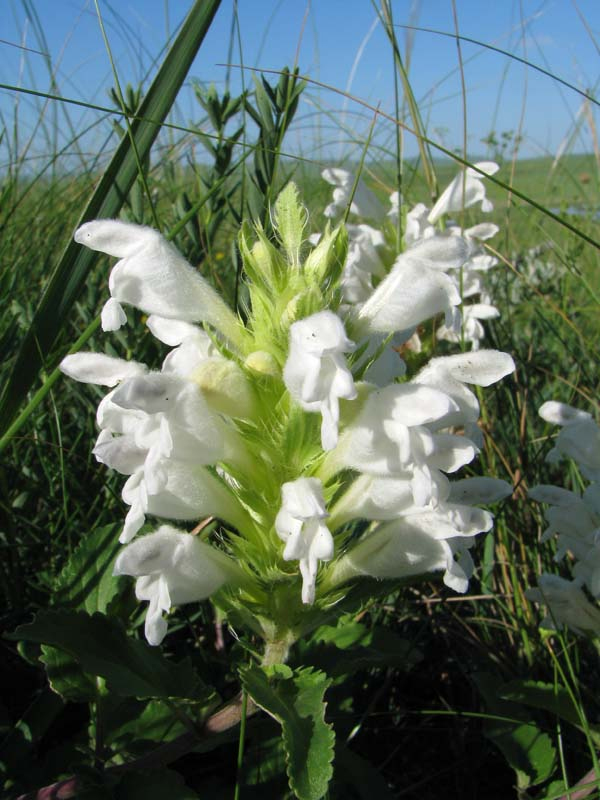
x=277, y=650
x=240, y=757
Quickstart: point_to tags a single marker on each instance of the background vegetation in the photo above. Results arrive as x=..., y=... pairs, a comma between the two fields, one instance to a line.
x=433, y=695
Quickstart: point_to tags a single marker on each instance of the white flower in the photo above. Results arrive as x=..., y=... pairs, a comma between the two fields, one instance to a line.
x=300, y=524
x=567, y=605
x=376, y=498
x=449, y=374
x=394, y=211
x=464, y=191
x=191, y=345
x=579, y=438
x=472, y=329
x=172, y=568
x=390, y=437
x=364, y=202
x=418, y=543
x=417, y=227
x=315, y=372
x=576, y=521
x=100, y=369
x=480, y=489
x=154, y=277
x=416, y=288
x=158, y=429
x=188, y=493
x=362, y=263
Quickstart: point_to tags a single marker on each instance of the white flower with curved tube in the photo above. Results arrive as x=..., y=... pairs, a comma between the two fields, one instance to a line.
x=300, y=523
x=449, y=374
x=375, y=498
x=362, y=263
x=416, y=288
x=464, y=191
x=579, y=438
x=315, y=372
x=418, y=542
x=191, y=345
x=567, y=605
x=390, y=437
x=364, y=202
x=417, y=227
x=188, y=493
x=154, y=277
x=158, y=429
x=472, y=329
x=576, y=521
x=172, y=568
x=100, y=369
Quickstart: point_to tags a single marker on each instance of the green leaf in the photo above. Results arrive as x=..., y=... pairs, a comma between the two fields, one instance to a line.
x=295, y=700
x=364, y=648
x=546, y=696
x=555, y=791
x=66, y=676
x=135, y=726
x=264, y=106
x=527, y=749
x=290, y=219
x=153, y=785
x=269, y=766
x=86, y=582
x=363, y=777
x=100, y=644
x=70, y=274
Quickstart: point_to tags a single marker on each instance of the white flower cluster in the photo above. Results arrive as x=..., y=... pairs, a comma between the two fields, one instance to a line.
x=275, y=428
x=575, y=520
x=158, y=428
x=466, y=274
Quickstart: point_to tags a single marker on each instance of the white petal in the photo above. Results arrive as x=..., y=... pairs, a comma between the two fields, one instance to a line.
x=438, y=253
x=411, y=293
x=452, y=452
x=481, y=368
x=396, y=551
x=99, y=368
x=154, y=277
x=553, y=495
x=489, y=167
x=134, y=520
x=477, y=490
x=194, y=493
x=112, y=317
x=483, y=231
x=149, y=393
x=562, y=413
x=155, y=628
x=114, y=237
x=481, y=311
x=119, y=452
x=172, y=331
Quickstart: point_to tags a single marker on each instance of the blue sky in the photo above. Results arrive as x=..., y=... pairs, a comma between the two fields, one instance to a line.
x=338, y=45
